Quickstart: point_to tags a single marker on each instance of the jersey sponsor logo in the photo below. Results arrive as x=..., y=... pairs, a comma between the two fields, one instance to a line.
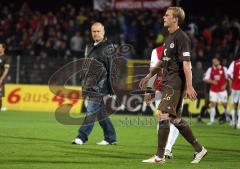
x=166, y=59
x=172, y=45
x=186, y=53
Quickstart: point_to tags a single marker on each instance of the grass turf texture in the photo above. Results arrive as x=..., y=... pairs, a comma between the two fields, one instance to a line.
x=37, y=140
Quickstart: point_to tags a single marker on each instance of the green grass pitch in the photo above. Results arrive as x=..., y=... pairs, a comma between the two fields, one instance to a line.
x=37, y=140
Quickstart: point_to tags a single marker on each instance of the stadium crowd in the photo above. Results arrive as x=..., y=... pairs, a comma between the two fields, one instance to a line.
x=41, y=37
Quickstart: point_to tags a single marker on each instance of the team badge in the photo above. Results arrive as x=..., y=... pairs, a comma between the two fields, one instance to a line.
x=220, y=72
x=172, y=45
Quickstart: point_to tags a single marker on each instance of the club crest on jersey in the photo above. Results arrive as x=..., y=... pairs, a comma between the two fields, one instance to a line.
x=172, y=45
x=221, y=72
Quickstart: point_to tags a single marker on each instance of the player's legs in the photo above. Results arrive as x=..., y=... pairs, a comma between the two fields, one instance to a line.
x=212, y=112
x=223, y=98
x=213, y=104
x=235, y=99
x=187, y=133
x=173, y=133
x=171, y=100
x=234, y=114
x=238, y=121
x=237, y=112
x=184, y=127
x=234, y=106
x=107, y=126
x=172, y=105
x=163, y=132
x=172, y=137
x=166, y=105
x=93, y=107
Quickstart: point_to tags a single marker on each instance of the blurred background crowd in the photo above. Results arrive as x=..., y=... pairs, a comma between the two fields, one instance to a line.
x=51, y=38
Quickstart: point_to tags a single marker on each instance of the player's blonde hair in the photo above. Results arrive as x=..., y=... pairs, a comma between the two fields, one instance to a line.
x=179, y=13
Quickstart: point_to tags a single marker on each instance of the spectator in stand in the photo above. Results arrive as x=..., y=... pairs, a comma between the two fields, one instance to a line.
x=76, y=44
x=23, y=25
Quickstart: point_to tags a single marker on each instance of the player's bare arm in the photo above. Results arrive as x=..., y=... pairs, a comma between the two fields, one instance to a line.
x=190, y=92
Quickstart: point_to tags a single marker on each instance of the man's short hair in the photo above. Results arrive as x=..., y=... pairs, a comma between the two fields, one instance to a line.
x=179, y=13
x=217, y=56
x=97, y=23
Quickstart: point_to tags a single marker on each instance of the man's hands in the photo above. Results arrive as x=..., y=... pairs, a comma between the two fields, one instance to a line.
x=162, y=116
x=147, y=98
x=191, y=93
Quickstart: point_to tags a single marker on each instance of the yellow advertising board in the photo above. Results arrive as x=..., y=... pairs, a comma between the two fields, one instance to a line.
x=39, y=98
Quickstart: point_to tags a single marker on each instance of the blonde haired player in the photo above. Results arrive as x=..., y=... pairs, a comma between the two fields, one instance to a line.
x=156, y=82
x=177, y=83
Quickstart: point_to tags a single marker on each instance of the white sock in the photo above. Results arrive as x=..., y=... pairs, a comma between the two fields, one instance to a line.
x=172, y=137
x=212, y=114
x=233, y=116
x=238, y=124
x=227, y=115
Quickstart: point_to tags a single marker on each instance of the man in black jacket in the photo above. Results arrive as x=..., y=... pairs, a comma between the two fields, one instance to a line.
x=96, y=83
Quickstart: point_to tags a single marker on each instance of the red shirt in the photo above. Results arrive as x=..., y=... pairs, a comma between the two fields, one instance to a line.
x=158, y=80
x=234, y=73
x=217, y=74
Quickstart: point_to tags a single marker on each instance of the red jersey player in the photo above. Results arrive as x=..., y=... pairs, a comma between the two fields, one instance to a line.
x=234, y=77
x=217, y=77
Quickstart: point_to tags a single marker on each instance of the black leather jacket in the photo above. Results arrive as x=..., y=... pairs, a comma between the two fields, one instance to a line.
x=98, y=68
